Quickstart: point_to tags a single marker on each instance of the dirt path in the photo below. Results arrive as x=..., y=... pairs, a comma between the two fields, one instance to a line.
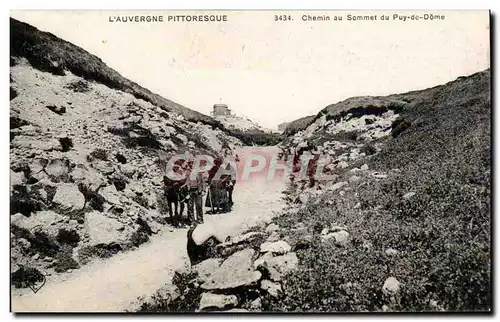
x=111, y=285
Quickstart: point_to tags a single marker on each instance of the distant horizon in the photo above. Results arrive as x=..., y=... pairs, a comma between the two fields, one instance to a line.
x=272, y=74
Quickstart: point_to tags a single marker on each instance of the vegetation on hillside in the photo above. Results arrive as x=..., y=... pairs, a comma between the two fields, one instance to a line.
x=441, y=231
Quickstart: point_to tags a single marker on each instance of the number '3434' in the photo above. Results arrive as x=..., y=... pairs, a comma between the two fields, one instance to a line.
x=282, y=18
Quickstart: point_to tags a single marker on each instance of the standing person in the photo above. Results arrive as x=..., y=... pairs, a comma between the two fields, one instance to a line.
x=195, y=187
x=230, y=182
x=170, y=190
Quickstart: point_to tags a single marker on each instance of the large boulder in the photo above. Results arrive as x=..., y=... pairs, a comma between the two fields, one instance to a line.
x=236, y=271
x=47, y=221
x=103, y=230
x=68, y=197
x=206, y=268
x=210, y=301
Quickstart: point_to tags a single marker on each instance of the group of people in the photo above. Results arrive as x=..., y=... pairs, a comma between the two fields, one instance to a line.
x=190, y=191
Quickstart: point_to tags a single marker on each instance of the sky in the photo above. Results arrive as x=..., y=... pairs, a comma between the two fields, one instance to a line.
x=277, y=71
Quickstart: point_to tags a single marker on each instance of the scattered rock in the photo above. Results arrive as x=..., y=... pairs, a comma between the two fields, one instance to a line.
x=24, y=243
x=105, y=167
x=272, y=227
x=275, y=236
x=391, y=286
x=279, y=247
x=240, y=242
x=281, y=265
x=337, y=186
x=354, y=179
x=58, y=169
x=182, y=138
x=274, y=289
x=217, y=301
x=262, y=259
x=161, y=297
x=342, y=164
x=364, y=167
x=391, y=252
x=89, y=178
x=68, y=197
x=303, y=242
x=378, y=175
x=255, y=305
x=110, y=194
x=128, y=170
x=57, y=109
x=336, y=228
x=17, y=178
x=408, y=195
x=341, y=237
x=235, y=271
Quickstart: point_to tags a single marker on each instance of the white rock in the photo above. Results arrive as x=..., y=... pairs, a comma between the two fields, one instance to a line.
x=379, y=175
x=391, y=286
x=104, y=230
x=279, y=247
x=262, y=260
x=110, y=195
x=408, y=195
x=68, y=197
x=234, y=272
x=391, y=252
x=128, y=170
x=354, y=179
x=17, y=178
x=275, y=236
x=337, y=186
x=342, y=165
x=207, y=268
x=183, y=138
x=364, y=167
x=281, y=265
x=274, y=289
x=272, y=227
x=217, y=301
x=57, y=168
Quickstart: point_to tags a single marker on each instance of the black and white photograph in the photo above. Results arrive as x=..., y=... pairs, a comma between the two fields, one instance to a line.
x=250, y=161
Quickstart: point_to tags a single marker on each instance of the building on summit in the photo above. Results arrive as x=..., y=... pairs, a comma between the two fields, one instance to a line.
x=220, y=109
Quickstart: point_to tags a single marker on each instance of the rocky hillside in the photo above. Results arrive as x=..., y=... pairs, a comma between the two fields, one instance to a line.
x=87, y=153
x=405, y=223
x=46, y=52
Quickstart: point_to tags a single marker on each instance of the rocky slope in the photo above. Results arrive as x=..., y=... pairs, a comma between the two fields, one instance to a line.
x=87, y=155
